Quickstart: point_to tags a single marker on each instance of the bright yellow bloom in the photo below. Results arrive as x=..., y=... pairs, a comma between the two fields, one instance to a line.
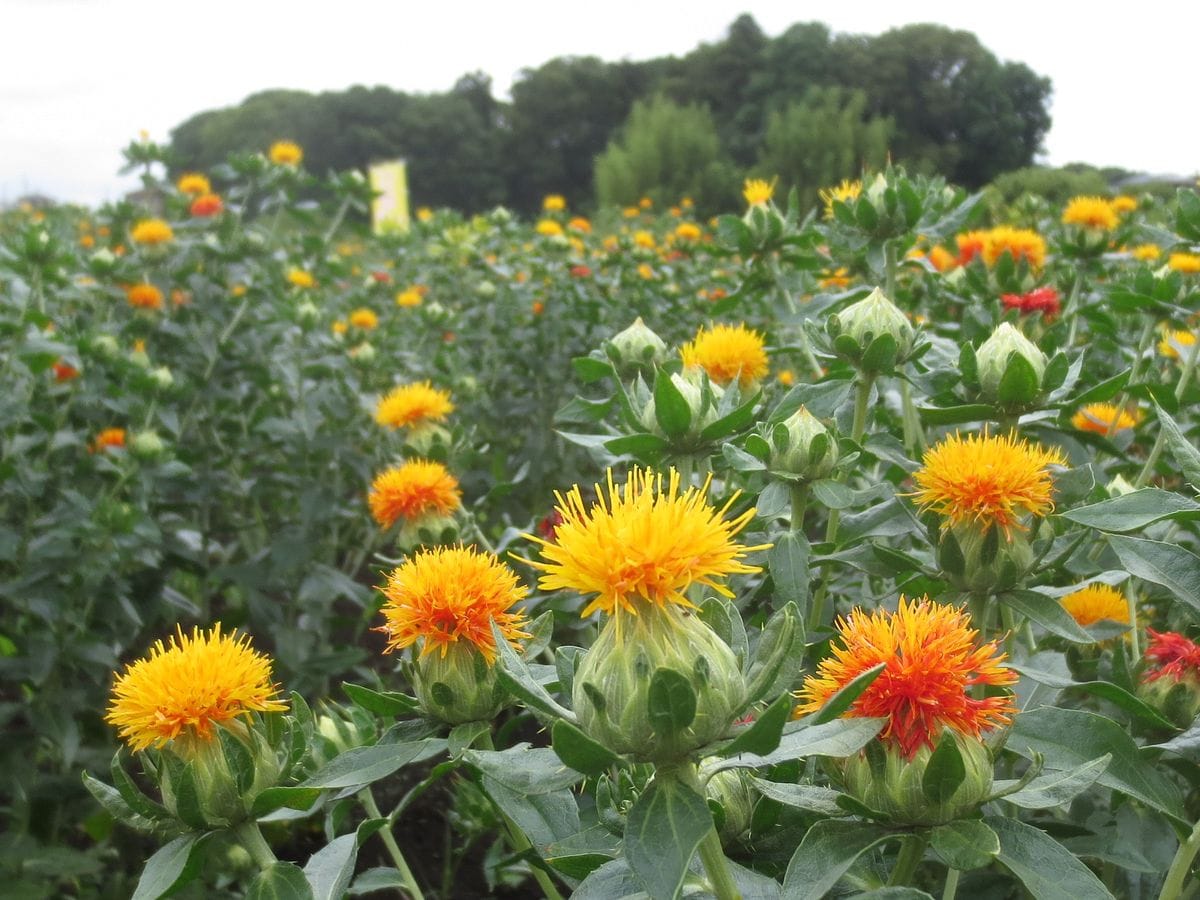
x=554, y=203
x=1098, y=417
x=1146, y=252
x=1187, y=263
x=631, y=212
x=1124, y=203
x=688, y=231
x=842, y=193
x=151, y=232
x=1090, y=212
x=986, y=480
x=644, y=239
x=1175, y=341
x=932, y=660
x=645, y=203
x=339, y=327
x=549, y=228
x=1020, y=243
x=185, y=687
x=443, y=595
x=757, y=191
x=646, y=271
x=286, y=153
x=424, y=213
x=408, y=298
x=645, y=545
x=786, y=377
x=193, y=183
x=838, y=278
x=412, y=491
x=364, y=318
x=300, y=278
x=726, y=353
x=1095, y=602
x=942, y=259
x=144, y=296
x=413, y=405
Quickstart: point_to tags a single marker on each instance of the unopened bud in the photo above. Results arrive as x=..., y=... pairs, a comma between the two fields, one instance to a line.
x=873, y=333
x=1010, y=367
x=803, y=446
x=637, y=347
x=459, y=686
x=147, y=444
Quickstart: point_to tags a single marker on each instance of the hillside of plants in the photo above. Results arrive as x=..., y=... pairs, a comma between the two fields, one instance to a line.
x=844, y=543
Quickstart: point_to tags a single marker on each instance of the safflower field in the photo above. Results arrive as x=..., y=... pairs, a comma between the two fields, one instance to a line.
x=840, y=545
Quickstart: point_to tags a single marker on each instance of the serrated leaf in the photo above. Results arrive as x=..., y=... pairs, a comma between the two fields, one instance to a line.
x=281, y=881
x=1056, y=788
x=671, y=409
x=364, y=765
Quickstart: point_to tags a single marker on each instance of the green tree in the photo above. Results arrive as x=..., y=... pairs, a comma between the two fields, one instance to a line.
x=826, y=137
x=667, y=151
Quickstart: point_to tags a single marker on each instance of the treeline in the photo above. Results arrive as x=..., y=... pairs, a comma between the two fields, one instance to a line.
x=808, y=106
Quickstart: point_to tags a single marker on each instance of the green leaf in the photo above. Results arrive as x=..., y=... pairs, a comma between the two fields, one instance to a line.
x=463, y=736
x=131, y=794
x=514, y=674
x=330, y=869
x=966, y=844
x=187, y=793
x=1183, y=451
x=382, y=703
x=845, y=696
x=579, y=751
x=524, y=769
x=1047, y=869
x=736, y=420
x=637, y=444
x=763, y=735
x=671, y=409
x=670, y=702
x=827, y=852
x=171, y=867
x=1047, y=612
x=364, y=765
x=238, y=758
x=950, y=556
x=590, y=370
x=1056, y=788
x=833, y=494
x=1106, y=690
x=1169, y=565
x=274, y=798
x=1105, y=390
x=955, y=415
x=945, y=771
x=379, y=878
x=1069, y=738
x=282, y=881
x=110, y=798
x=1134, y=511
x=545, y=817
x=787, y=562
x=809, y=797
x=1019, y=384
x=776, y=661
x=665, y=826
x=838, y=739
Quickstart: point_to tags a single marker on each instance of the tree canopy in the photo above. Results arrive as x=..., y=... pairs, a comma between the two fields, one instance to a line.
x=936, y=97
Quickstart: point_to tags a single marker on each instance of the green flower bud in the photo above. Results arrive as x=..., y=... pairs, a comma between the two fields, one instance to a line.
x=425, y=437
x=873, y=334
x=430, y=529
x=162, y=377
x=883, y=780
x=226, y=774
x=307, y=312
x=457, y=687
x=986, y=561
x=500, y=216
x=140, y=359
x=731, y=789
x=485, y=289
x=364, y=353
x=103, y=261
x=637, y=348
x=804, y=448
x=147, y=444
x=635, y=656
x=106, y=345
x=690, y=387
x=1010, y=359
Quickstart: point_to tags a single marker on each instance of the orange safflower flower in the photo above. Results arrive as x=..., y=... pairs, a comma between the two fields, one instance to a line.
x=413, y=490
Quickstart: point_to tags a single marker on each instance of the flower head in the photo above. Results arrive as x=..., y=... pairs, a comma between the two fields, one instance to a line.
x=1186, y=263
x=549, y=228
x=1091, y=212
x=841, y=193
x=645, y=545
x=144, y=296
x=931, y=660
x=151, y=232
x=413, y=490
x=300, y=278
x=970, y=245
x=757, y=191
x=1146, y=252
x=445, y=595
x=364, y=318
x=1096, y=602
x=1020, y=243
x=986, y=480
x=412, y=405
x=285, y=153
x=193, y=183
x=408, y=298
x=1175, y=341
x=1171, y=655
x=188, y=685
x=554, y=203
x=1103, y=418
x=206, y=205
x=688, y=231
x=1123, y=203
x=109, y=438
x=726, y=353
x=1042, y=300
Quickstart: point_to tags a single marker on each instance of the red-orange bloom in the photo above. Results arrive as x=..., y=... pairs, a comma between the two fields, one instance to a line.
x=1043, y=300
x=64, y=371
x=1173, y=656
x=207, y=205
x=109, y=437
x=931, y=660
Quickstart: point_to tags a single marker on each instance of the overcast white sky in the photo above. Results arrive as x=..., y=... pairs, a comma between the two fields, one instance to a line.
x=80, y=78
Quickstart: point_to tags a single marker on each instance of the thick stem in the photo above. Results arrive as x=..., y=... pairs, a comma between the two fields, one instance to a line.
x=255, y=844
x=1181, y=865
x=712, y=854
x=889, y=270
x=799, y=504
x=911, y=853
x=1135, y=649
x=951, y=887
x=914, y=433
x=1071, y=311
x=410, y=882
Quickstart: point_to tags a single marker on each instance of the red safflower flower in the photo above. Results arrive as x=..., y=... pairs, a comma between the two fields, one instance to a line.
x=580, y=271
x=1043, y=300
x=207, y=205
x=381, y=277
x=1171, y=655
x=64, y=371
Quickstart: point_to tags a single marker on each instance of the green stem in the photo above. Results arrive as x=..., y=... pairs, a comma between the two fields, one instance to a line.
x=799, y=504
x=914, y=434
x=1181, y=865
x=1069, y=309
x=889, y=270
x=1185, y=380
x=951, y=887
x=1131, y=603
x=251, y=839
x=410, y=882
x=337, y=221
x=712, y=854
x=911, y=853
x=1143, y=344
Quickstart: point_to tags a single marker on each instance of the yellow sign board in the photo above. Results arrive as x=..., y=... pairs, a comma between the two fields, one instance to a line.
x=389, y=209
